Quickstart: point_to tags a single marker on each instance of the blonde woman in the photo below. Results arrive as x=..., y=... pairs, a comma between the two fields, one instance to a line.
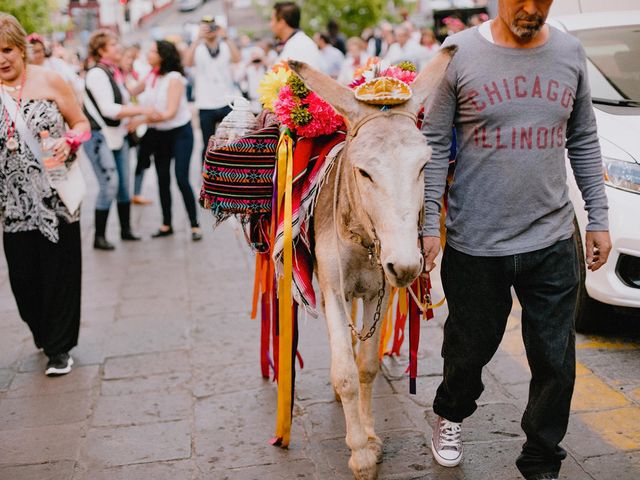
x=41, y=236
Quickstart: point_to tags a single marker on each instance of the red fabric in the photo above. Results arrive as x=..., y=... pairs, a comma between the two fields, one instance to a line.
x=414, y=337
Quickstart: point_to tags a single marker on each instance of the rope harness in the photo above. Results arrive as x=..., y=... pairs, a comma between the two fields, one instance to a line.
x=373, y=248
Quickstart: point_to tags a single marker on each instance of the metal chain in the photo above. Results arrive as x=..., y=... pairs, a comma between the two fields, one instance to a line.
x=376, y=316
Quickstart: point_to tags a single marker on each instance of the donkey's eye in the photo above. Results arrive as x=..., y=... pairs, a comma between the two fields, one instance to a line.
x=421, y=169
x=365, y=174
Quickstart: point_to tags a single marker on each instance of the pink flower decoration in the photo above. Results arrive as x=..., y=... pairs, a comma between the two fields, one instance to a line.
x=393, y=72
x=396, y=72
x=325, y=119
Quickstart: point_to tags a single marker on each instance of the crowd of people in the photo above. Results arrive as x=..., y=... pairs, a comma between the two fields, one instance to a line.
x=137, y=99
x=119, y=100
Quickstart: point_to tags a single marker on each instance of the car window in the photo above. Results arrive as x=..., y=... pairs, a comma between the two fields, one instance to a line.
x=614, y=54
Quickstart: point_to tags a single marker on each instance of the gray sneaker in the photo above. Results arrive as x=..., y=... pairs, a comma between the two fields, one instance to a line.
x=446, y=442
x=59, y=364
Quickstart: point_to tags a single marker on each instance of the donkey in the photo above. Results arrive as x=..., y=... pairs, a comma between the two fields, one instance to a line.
x=366, y=237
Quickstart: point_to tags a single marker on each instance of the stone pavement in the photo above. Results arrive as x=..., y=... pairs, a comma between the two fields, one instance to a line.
x=167, y=383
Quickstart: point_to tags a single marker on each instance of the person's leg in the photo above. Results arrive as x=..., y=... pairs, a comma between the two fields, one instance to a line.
x=143, y=154
x=218, y=116
x=547, y=284
x=104, y=167
x=23, y=263
x=138, y=178
x=207, y=119
x=183, y=146
x=124, y=197
x=121, y=158
x=162, y=160
x=61, y=289
x=478, y=291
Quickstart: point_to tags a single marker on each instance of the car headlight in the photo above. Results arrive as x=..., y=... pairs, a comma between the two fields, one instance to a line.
x=621, y=174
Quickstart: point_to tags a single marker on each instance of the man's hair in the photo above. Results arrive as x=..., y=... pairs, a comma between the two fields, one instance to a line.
x=325, y=37
x=289, y=12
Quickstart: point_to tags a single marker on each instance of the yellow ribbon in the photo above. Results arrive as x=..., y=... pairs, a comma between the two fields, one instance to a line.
x=285, y=299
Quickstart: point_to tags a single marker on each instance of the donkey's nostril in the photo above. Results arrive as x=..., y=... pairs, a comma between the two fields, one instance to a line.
x=391, y=269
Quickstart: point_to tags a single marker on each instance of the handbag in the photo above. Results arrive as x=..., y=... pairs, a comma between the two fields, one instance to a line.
x=112, y=135
x=71, y=187
x=238, y=176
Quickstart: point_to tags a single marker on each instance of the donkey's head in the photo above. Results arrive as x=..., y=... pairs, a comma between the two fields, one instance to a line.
x=384, y=161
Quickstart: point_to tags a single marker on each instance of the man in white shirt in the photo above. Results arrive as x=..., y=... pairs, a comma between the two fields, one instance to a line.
x=404, y=49
x=212, y=55
x=285, y=25
x=332, y=57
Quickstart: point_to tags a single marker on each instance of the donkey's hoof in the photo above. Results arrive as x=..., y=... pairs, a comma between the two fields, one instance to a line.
x=363, y=464
x=375, y=445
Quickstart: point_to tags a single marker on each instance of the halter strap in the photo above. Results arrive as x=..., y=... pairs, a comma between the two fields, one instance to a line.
x=353, y=131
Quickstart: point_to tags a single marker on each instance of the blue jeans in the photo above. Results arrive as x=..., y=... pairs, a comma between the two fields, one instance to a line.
x=111, y=168
x=478, y=291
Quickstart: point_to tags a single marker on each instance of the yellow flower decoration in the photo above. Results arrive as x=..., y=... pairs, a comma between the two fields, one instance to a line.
x=270, y=86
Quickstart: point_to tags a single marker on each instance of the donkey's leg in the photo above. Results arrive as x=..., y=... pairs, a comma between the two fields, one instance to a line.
x=368, y=366
x=344, y=375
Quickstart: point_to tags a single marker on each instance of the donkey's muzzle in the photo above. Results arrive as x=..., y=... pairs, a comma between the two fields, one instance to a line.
x=402, y=275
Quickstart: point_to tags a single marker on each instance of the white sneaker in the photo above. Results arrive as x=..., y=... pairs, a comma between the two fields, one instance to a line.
x=446, y=442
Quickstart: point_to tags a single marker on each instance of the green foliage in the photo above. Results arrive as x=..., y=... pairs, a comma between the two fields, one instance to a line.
x=297, y=86
x=32, y=14
x=301, y=116
x=352, y=15
x=407, y=66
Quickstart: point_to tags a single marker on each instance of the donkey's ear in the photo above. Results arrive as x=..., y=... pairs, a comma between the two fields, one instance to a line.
x=429, y=78
x=335, y=94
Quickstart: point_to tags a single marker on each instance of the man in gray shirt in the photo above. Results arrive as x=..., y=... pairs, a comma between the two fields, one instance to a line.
x=517, y=93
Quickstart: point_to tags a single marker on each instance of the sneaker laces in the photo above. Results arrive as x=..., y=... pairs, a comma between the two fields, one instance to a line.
x=450, y=433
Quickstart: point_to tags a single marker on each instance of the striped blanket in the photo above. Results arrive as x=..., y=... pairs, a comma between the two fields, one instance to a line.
x=238, y=178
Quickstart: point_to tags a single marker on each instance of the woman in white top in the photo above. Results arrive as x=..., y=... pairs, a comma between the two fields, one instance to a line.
x=170, y=135
x=356, y=58
x=106, y=105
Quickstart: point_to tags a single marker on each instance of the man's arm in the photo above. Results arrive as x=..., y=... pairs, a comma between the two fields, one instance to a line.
x=583, y=149
x=190, y=53
x=437, y=129
x=233, y=48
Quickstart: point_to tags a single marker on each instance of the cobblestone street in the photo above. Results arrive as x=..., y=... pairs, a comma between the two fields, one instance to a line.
x=167, y=384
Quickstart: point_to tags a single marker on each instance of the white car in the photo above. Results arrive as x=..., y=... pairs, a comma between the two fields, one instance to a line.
x=612, y=43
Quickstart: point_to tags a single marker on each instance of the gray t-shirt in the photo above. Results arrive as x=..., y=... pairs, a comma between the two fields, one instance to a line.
x=514, y=110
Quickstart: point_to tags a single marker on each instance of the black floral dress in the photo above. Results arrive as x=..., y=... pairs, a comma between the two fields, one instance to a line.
x=27, y=201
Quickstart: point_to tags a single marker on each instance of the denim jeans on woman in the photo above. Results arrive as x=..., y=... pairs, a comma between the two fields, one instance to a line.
x=478, y=291
x=111, y=168
x=174, y=144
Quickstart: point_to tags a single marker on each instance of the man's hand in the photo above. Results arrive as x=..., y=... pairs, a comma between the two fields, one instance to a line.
x=430, y=249
x=203, y=31
x=598, y=246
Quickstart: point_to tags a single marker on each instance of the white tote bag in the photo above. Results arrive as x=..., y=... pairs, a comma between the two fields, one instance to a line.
x=72, y=187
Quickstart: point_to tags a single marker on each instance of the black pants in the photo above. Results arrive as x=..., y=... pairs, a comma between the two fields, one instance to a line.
x=45, y=279
x=175, y=144
x=209, y=120
x=478, y=291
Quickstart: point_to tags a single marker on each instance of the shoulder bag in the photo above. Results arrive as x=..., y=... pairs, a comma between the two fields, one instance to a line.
x=71, y=188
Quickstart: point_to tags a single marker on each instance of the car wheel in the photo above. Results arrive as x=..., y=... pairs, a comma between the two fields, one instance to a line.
x=589, y=312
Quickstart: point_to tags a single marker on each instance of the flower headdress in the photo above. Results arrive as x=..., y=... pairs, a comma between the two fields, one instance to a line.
x=304, y=112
